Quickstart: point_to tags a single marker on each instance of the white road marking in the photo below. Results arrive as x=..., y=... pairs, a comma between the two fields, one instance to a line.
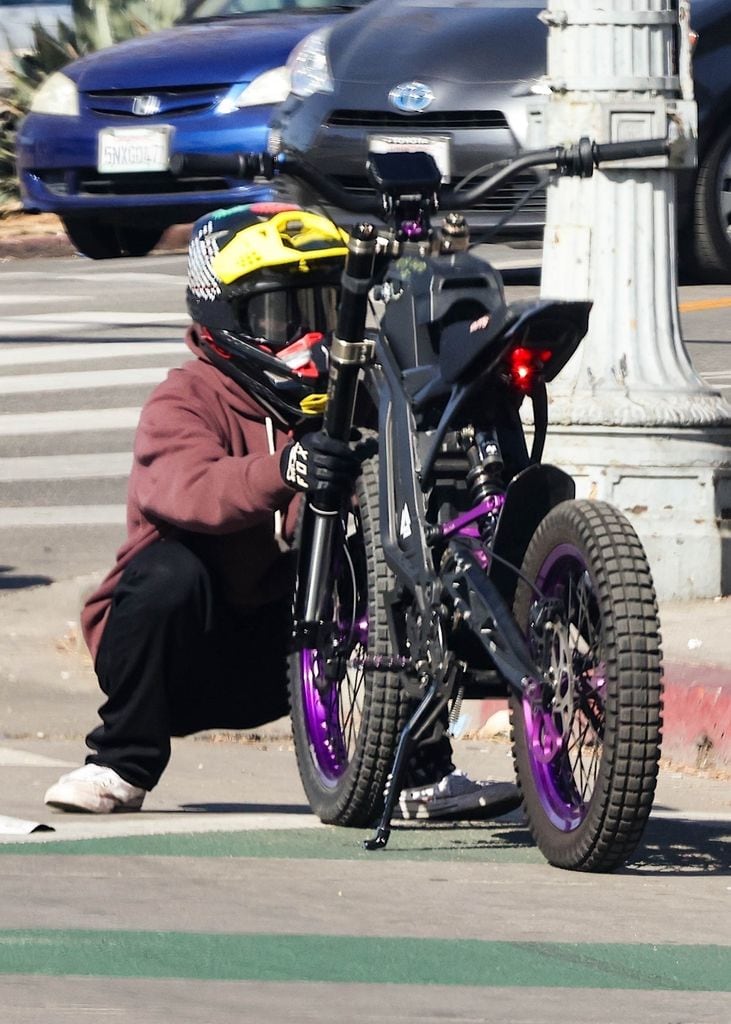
x=32, y=383
x=69, y=421
x=27, y=355
x=146, y=824
x=66, y=467
x=63, y=515
x=62, y=323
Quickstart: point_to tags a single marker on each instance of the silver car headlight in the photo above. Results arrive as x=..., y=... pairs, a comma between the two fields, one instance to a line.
x=57, y=95
x=270, y=87
x=309, y=66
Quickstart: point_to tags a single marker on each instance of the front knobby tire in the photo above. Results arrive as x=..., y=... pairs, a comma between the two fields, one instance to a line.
x=345, y=727
x=592, y=628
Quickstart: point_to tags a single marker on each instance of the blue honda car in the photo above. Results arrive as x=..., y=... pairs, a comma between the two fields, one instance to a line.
x=96, y=145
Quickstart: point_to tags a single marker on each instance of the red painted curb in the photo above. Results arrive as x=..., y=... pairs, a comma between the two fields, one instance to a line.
x=696, y=715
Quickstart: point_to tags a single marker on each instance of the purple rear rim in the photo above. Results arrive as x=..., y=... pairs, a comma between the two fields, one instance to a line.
x=572, y=659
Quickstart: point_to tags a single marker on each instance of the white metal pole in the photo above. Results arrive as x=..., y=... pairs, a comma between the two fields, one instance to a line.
x=631, y=418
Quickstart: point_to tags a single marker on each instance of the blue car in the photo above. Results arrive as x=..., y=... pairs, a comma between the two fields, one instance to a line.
x=96, y=145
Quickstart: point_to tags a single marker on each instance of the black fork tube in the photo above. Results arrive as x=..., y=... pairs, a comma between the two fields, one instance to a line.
x=348, y=354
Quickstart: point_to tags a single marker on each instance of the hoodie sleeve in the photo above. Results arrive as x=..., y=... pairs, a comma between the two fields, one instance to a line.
x=184, y=474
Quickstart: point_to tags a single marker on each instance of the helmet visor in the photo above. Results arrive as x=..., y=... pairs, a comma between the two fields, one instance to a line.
x=281, y=316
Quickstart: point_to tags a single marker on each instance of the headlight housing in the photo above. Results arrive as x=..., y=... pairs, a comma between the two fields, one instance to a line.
x=58, y=95
x=270, y=87
x=309, y=66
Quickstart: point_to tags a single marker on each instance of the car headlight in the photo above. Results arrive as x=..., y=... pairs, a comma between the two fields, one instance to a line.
x=308, y=65
x=57, y=95
x=270, y=87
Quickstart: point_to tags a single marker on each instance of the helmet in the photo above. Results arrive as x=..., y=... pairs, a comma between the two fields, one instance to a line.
x=263, y=282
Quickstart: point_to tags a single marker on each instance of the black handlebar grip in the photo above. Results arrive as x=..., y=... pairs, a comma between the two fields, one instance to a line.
x=610, y=151
x=230, y=165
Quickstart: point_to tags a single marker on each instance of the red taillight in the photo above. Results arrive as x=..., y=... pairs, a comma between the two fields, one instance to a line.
x=525, y=364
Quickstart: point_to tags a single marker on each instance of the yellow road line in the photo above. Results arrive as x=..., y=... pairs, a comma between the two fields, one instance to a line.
x=696, y=305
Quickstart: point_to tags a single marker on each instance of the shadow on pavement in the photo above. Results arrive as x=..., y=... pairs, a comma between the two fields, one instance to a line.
x=668, y=847
x=243, y=809
x=684, y=848
x=19, y=582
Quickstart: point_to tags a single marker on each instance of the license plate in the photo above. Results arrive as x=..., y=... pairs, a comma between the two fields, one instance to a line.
x=128, y=150
x=436, y=145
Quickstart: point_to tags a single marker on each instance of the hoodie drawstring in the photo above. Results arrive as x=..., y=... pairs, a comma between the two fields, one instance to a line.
x=271, y=442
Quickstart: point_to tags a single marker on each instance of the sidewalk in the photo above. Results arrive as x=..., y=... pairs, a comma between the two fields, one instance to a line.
x=48, y=688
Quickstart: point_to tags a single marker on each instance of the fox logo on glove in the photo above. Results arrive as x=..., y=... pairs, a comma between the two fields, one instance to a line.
x=295, y=469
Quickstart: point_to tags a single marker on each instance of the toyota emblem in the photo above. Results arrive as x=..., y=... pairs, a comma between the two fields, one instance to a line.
x=411, y=97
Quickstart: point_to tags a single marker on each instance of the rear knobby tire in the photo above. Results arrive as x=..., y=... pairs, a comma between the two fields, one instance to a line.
x=345, y=731
x=594, y=633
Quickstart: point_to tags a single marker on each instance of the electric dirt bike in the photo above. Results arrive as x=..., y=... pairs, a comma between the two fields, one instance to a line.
x=463, y=566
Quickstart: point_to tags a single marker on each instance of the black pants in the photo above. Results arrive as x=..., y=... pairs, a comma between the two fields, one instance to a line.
x=174, y=659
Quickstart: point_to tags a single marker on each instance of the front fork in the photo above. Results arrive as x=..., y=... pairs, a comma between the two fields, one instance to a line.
x=349, y=352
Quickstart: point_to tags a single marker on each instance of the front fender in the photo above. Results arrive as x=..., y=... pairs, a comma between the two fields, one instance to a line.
x=529, y=498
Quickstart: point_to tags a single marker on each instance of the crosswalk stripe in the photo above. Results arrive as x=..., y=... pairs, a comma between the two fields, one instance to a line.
x=66, y=467
x=59, y=323
x=31, y=383
x=99, y=316
x=63, y=515
x=87, y=351
x=69, y=421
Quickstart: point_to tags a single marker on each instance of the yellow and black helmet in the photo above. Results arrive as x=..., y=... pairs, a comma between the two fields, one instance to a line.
x=264, y=282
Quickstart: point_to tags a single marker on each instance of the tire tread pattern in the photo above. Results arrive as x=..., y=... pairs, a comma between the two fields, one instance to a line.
x=631, y=637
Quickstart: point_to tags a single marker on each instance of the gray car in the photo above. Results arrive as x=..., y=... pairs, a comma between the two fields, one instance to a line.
x=423, y=75
x=463, y=79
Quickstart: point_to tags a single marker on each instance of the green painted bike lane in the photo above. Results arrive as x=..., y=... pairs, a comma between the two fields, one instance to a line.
x=338, y=958
x=379, y=960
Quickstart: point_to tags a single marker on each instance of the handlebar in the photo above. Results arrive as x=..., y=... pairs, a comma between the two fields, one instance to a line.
x=578, y=160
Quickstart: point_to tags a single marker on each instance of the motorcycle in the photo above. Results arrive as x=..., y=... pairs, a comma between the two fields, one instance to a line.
x=461, y=565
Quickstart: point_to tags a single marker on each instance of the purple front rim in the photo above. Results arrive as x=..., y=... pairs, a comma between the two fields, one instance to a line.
x=572, y=660
x=322, y=718
x=331, y=712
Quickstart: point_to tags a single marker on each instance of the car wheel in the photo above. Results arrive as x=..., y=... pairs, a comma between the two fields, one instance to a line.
x=710, y=243
x=101, y=241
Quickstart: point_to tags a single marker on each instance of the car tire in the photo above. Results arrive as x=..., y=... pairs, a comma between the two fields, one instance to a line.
x=101, y=241
x=706, y=249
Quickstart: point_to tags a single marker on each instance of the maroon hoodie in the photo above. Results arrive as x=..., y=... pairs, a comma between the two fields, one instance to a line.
x=204, y=464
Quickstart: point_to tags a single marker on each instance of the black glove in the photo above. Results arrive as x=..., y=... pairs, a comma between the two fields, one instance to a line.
x=320, y=465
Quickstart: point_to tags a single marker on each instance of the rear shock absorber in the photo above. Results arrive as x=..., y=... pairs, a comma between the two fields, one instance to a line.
x=484, y=477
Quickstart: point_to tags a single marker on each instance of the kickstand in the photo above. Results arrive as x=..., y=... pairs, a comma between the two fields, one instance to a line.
x=393, y=787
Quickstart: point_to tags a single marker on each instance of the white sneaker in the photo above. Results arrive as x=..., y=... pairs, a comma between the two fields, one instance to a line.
x=457, y=797
x=96, y=789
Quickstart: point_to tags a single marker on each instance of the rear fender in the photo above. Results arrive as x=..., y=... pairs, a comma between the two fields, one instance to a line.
x=529, y=498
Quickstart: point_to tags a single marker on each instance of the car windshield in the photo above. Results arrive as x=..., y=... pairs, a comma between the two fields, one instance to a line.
x=208, y=10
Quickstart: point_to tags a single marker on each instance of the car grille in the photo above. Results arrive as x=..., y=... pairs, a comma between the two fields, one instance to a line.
x=438, y=120
x=173, y=101
x=498, y=202
x=90, y=183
